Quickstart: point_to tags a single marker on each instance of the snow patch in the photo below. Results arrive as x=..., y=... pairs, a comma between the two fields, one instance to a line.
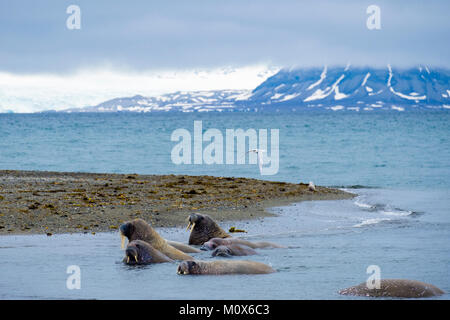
x=242, y=96
x=276, y=96
x=401, y=95
x=322, y=76
x=319, y=94
x=398, y=108
x=290, y=96
x=404, y=96
x=339, y=95
x=365, y=80
x=390, y=75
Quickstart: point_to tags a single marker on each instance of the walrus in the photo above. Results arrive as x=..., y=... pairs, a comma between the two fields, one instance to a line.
x=215, y=242
x=233, y=250
x=183, y=247
x=203, y=228
x=401, y=288
x=138, y=229
x=219, y=267
x=141, y=252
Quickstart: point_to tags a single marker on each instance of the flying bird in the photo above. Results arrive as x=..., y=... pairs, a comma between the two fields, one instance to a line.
x=259, y=152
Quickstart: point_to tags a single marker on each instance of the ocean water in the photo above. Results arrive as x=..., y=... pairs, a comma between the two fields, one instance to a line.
x=396, y=163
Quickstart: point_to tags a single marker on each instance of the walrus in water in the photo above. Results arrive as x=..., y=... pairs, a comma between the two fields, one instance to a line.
x=233, y=250
x=141, y=252
x=138, y=229
x=223, y=267
x=400, y=288
x=203, y=228
x=183, y=247
x=215, y=242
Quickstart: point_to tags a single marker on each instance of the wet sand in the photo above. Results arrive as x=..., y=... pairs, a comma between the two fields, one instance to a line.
x=33, y=202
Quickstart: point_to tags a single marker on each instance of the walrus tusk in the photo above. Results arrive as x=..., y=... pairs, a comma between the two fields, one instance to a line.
x=128, y=259
x=193, y=225
x=136, y=258
x=189, y=224
x=122, y=241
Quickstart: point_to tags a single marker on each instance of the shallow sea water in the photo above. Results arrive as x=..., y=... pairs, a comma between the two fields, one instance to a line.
x=400, y=220
x=328, y=248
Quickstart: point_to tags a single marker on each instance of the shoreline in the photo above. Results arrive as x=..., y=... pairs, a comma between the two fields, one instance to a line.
x=41, y=202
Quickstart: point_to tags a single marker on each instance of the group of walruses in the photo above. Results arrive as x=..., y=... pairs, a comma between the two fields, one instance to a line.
x=146, y=246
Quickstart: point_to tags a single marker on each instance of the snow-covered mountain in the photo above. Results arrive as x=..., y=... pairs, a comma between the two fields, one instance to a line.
x=355, y=88
x=185, y=101
x=335, y=88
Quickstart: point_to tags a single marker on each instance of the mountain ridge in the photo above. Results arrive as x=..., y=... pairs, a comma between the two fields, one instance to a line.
x=334, y=88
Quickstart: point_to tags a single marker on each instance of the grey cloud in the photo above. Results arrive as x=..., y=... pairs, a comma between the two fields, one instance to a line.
x=187, y=34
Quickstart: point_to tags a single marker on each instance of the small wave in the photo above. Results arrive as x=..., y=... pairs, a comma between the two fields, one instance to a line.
x=385, y=209
x=398, y=213
x=363, y=205
x=370, y=221
x=370, y=207
x=355, y=186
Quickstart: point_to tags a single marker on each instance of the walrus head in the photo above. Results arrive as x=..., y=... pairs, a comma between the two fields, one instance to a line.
x=138, y=229
x=222, y=251
x=213, y=243
x=138, y=252
x=188, y=267
x=203, y=228
x=126, y=230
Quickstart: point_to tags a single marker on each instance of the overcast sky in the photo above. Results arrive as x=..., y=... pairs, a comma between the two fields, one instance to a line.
x=146, y=47
x=137, y=35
